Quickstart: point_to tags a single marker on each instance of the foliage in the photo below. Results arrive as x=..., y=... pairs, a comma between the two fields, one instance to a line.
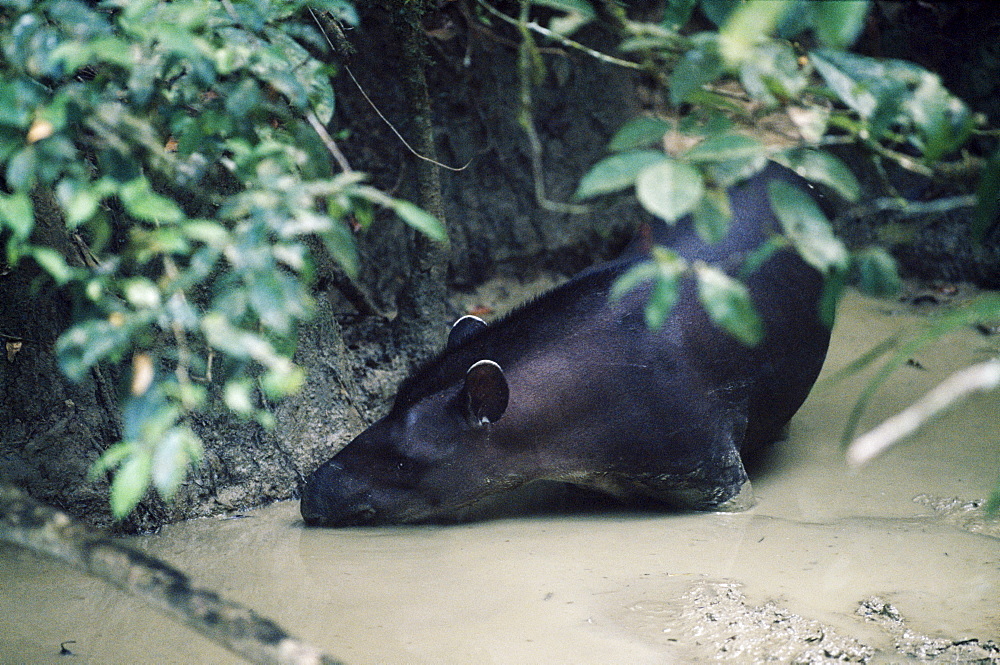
x=183, y=145
x=790, y=58
x=883, y=104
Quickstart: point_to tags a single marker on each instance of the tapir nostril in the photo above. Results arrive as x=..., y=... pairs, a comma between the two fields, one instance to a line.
x=353, y=516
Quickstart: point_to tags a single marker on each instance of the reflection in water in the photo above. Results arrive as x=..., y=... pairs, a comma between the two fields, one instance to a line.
x=605, y=587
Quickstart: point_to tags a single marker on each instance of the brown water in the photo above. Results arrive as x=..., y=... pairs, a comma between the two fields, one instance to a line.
x=602, y=588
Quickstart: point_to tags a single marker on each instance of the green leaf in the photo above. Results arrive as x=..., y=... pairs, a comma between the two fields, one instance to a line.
x=283, y=380
x=661, y=302
x=833, y=288
x=290, y=69
x=615, y=173
x=821, y=167
x=151, y=243
x=53, y=263
x=759, y=256
x=664, y=270
x=677, y=13
x=239, y=343
x=21, y=169
x=110, y=459
x=241, y=102
x=14, y=112
x=728, y=304
x=146, y=417
x=141, y=293
x=712, y=216
x=880, y=90
x=812, y=122
x=726, y=147
x=275, y=296
x=238, y=396
x=773, y=73
x=699, y=65
x=569, y=23
x=131, y=482
x=717, y=11
x=342, y=10
x=993, y=503
x=79, y=201
x=734, y=171
x=846, y=80
x=838, y=22
x=632, y=278
x=422, y=221
x=669, y=189
x=177, y=449
x=569, y=6
x=653, y=40
x=807, y=228
x=860, y=363
x=146, y=205
x=87, y=343
x=877, y=272
x=206, y=231
x=942, y=120
x=748, y=26
x=17, y=215
x=640, y=132
x=339, y=243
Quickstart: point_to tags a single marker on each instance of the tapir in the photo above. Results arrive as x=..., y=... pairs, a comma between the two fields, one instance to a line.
x=575, y=387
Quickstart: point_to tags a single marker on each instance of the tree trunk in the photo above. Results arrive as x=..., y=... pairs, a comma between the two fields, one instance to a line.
x=421, y=321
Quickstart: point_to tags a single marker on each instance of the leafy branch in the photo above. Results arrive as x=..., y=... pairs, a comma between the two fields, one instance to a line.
x=791, y=63
x=187, y=148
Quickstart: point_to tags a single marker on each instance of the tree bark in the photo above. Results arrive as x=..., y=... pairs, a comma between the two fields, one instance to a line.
x=421, y=323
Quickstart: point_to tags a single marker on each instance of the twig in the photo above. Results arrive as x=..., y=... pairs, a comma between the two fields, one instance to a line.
x=902, y=159
x=910, y=208
x=981, y=377
x=19, y=338
x=30, y=524
x=396, y=131
x=526, y=65
x=328, y=141
x=379, y=112
x=327, y=25
x=180, y=338
x=566, y=41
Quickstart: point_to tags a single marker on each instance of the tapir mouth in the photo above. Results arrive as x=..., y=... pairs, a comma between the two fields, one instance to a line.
x=360, y=515
x=323, y=510
x=327, y=501
x=334, y=497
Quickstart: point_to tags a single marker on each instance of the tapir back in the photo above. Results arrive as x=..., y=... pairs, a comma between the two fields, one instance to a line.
x=575, y=387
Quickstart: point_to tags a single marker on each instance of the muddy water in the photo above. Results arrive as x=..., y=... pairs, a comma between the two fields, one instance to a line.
x=783, y=580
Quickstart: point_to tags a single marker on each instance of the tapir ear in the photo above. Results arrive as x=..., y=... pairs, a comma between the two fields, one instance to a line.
x=486, y=392
x=463, y=329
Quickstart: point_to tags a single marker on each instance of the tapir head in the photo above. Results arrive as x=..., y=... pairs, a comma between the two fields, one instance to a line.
x=432, y=455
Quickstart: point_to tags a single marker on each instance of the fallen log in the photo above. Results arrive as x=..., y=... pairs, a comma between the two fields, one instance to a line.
x=30, y=524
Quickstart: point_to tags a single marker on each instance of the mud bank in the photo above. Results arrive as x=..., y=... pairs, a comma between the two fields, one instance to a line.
x=893, y=563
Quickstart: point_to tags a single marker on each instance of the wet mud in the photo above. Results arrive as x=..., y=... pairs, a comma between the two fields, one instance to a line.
x=894, y=563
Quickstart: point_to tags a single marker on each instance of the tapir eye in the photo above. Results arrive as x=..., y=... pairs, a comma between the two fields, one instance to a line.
x=430, y=430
